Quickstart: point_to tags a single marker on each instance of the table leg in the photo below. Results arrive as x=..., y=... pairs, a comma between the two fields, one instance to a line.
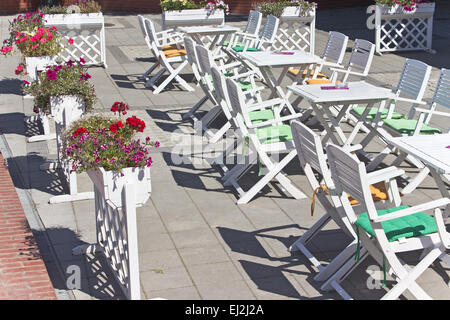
x=335, y=123
x=275, y=87
x=319, y=115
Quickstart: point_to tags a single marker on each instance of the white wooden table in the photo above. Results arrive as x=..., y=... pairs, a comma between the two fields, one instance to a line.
x=212, y=33
x=358, y=93
x=266, y=61
x=432, y=151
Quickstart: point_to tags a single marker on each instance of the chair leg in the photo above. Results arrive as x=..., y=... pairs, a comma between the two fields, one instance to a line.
x=191, y=112
x=219, y=134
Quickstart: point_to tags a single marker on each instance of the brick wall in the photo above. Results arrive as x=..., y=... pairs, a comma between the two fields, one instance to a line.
x=237, y=6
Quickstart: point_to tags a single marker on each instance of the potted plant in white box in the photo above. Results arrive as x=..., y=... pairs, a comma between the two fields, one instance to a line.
x=60, y=87
x=177, y=13
x=109, y=151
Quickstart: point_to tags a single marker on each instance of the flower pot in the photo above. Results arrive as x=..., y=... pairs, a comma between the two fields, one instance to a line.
x=66, y=109
x=110, y=184
x=73, y=18
x=192, y=17
x=35, y=64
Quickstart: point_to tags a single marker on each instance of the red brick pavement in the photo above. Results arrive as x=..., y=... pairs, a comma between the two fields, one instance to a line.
x=23, y=275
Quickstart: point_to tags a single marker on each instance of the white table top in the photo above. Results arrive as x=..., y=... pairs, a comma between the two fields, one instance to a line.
x=271, y=59
x=431, y=149
x=208, y=30
x=357, y=91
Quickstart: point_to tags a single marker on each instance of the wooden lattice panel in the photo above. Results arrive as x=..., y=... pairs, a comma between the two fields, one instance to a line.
x=296, y=33
x=88, y=33
x=397, y=30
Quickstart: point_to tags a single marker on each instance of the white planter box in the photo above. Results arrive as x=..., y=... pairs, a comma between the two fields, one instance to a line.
x=400, y=30
x=73, y=106
x=35, y=64
x=110, y=184
x=296, y=12
x=88, y=32
x=192, y=17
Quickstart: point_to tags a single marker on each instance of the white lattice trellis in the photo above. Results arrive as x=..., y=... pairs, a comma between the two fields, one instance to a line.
x=397, y=30
x=296, y=32
x=116, y=230
x=88, y=33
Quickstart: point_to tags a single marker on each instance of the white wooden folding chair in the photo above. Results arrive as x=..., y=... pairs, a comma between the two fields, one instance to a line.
x=251, y=30
x=261, y=42
x=332, y=56
x=266, y=140
x=245, y=80
x=166, y=59
x=164, y=37
x=313, y=159
x=258, y=112
x=386, y=233
x=407, y=125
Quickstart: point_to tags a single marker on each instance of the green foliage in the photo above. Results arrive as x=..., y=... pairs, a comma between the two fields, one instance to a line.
x=61, y=80
x=100, y=141
x=276, y=8
x=171, y=5
x=86, y=6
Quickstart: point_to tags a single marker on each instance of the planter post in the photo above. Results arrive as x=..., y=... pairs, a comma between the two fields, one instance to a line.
x=399, y=30
x=33, y=65
x=88, y=32
x=117, y=240
x=65, y=111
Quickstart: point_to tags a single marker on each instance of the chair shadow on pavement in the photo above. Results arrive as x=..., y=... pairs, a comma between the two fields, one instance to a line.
x=11, y=86
x=48, y=181
x=271, y=277
x=87, y=274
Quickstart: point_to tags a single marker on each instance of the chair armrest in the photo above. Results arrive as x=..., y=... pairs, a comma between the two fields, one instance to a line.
x=265, y=104
x=243, y=75
x=275, y=121
x=410, y=100
x=353, y=148
x=439, y=113
x=442, y=231
x=332, y=64
x=408, y=211
x=359, y=74
x=384, y=174
x=229, y=66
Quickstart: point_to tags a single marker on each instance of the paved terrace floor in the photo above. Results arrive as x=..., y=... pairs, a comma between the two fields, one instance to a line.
x=194, y=241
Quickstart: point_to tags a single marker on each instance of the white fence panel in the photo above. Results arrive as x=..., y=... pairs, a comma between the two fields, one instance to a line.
x=397, y=30
x=88, y=33
x=116, y=230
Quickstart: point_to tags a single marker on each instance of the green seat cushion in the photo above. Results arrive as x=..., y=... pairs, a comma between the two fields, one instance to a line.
x=240, y=44
x=373, y=113
x=241, y=49
x=227, y=74
x=245, y=85
x=261, y=115
x=414, y=225
x=408, y=126
x=274, y=134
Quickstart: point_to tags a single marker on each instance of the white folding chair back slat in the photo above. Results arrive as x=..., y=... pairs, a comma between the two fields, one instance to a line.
x=269, y=31
x=414, y=78
x=254, y=22
x=442, y=94
x=335, y=47
x=361, y=57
